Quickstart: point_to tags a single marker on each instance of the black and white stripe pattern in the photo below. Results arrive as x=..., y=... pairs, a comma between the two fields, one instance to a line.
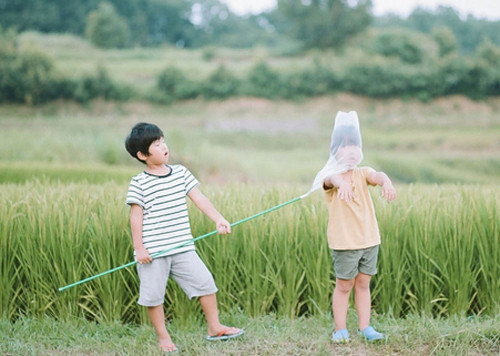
x=163, y=200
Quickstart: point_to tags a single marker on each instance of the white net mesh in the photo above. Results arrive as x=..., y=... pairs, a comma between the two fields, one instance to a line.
x=345, y=148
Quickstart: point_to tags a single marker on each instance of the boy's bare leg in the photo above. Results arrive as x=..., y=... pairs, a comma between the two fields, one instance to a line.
x=209, y=306
x=340, y=302
x=157, y=316
x=362, y=299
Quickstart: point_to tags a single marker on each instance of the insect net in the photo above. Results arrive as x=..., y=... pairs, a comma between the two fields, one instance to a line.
x=345, y=133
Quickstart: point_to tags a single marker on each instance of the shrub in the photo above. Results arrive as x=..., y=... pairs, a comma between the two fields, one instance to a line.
x=404, y=45
x=173, y=84
x=446, y=41
x=318, y=80
x=264, y=82
x=99, y=85
x=26, y=76
x=221, y=84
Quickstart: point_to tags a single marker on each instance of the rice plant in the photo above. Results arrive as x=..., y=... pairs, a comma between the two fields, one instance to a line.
x=439, y=254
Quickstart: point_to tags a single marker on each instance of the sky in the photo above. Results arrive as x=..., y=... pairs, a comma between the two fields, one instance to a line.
x=485, y=9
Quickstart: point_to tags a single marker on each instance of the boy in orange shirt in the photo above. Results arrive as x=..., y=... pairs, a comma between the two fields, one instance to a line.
x=353, y=233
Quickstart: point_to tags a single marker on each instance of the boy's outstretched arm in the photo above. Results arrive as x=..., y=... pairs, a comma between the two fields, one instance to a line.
x=206, y=206
x=345, y=191
x=136, y=216
x=380, y=178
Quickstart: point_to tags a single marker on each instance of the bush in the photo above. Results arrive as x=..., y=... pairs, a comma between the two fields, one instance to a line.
x=99, y=85
x=262, y=81
x=446, y=41
x=405, y=45
x=26, y=76
x=318, y=80
x=221, y=84
x=106, y=29
x=173, y=84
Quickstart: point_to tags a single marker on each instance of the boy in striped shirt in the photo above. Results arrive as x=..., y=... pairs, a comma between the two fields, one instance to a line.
x=159, y=222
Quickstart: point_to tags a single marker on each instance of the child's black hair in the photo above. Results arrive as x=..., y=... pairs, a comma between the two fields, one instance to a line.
x=141, y=137
x=345, y=135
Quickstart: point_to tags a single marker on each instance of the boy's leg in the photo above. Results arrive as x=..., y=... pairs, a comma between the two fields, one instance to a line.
x=362, y=299
x=209, y=306
x=340, y=302
x=157, y=317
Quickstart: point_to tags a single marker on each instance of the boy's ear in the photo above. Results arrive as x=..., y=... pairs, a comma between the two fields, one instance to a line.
x=141, y=156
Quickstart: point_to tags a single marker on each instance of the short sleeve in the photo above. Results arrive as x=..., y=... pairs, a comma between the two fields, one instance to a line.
x=190, y=180
x=135, y=194
x=366, y=171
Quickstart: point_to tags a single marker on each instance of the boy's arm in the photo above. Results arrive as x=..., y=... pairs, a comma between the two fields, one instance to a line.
x=136, y=216
x=204, y=204
x=380, y=178
x=344, y=188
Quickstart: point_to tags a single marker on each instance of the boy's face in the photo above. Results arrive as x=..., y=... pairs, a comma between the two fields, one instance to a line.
x=349, y=155
x=158, y=152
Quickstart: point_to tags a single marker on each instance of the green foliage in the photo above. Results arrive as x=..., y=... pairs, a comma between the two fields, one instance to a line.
x=106, y=29
x=446, y=41
x=404, y=45
x=388, y=63
x=263, y=81
x=438, y=256
x=173, y=84
x=323, y=24
x=99, y=85
x=26, y=75
x=469, y=33
x=158, y=22
x=221, y=84
x=379, y=77
x=317, y=80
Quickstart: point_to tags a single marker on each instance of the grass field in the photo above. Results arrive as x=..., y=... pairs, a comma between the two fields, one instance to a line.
x=449, y=140
x=64, y=172
x=266, y=335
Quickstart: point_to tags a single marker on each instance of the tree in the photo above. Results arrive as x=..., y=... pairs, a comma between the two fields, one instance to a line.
x=169, y=22
x=446, y=40
x=324, y=23
x=105, y=28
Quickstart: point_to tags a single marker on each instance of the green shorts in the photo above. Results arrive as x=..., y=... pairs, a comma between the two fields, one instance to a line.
x=348, y=263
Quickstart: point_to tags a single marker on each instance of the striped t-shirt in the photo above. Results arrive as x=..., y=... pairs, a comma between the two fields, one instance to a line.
x=165, y=214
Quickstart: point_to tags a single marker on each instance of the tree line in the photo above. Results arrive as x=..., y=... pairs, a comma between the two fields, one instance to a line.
x=194, y=23
x=424, y=56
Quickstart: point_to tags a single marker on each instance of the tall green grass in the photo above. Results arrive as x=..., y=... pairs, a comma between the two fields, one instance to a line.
x=439, y=254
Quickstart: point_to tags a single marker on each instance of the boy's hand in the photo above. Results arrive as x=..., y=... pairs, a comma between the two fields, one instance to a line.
x=142, y=256
x=345, y=192
x=388, y=191
x=223, y=227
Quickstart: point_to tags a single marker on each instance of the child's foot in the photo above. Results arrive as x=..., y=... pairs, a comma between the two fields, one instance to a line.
x=340, y=336
x=371, y=334
x=169, y=348
x=225, y=333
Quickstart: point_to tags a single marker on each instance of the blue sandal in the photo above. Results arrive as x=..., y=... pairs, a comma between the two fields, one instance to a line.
x=340, y=336
x=371, y=334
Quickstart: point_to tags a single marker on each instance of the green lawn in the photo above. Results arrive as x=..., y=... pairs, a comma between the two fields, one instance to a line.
x=264, y=335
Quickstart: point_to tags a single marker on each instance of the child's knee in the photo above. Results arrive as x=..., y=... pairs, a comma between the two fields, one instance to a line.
x=344, y=285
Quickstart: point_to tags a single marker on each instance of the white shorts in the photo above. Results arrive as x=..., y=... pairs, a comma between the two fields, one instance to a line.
x=186, y=268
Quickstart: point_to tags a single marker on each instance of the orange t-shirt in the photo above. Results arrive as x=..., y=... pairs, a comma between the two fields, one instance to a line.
x=352, y=225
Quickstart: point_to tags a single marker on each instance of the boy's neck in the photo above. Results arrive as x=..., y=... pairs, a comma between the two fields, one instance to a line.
x=347, y=174
x=158, y=170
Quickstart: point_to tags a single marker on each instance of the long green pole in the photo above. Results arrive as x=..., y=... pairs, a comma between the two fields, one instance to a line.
x=184, y=244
